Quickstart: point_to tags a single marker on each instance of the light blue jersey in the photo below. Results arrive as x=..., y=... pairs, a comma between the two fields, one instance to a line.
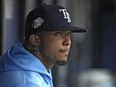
x=20, y=68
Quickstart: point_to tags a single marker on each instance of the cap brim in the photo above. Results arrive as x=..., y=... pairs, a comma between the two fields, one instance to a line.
x=77, y=29
x=71, y=28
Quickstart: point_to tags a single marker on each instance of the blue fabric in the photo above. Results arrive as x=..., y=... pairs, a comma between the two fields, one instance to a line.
x=20, y=68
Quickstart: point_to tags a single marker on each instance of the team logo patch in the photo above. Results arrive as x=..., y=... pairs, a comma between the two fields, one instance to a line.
x=37, y=22
x=66, y=14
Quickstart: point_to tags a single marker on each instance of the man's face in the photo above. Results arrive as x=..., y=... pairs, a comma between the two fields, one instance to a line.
x=55, y=46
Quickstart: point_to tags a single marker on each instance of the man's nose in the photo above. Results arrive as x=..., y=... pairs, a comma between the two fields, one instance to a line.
x=67, y=41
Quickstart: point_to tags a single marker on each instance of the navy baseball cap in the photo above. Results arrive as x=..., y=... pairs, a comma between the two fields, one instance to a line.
x=49, y=18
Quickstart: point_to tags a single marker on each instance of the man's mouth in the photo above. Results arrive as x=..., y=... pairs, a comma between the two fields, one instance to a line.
x=65, y=51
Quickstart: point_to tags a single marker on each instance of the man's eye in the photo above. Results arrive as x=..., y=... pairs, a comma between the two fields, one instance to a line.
x=69, y=33
x=58, y=33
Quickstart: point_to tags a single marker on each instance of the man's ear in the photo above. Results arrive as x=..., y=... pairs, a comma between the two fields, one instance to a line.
x=34, y=39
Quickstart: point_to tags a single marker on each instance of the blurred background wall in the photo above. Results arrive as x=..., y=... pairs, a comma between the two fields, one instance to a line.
x=92, y=52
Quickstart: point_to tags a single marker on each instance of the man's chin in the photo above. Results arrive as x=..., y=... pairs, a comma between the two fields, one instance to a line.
x=61, y=62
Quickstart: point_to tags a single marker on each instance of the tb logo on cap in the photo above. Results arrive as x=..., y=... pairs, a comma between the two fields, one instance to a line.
x=66, y=14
